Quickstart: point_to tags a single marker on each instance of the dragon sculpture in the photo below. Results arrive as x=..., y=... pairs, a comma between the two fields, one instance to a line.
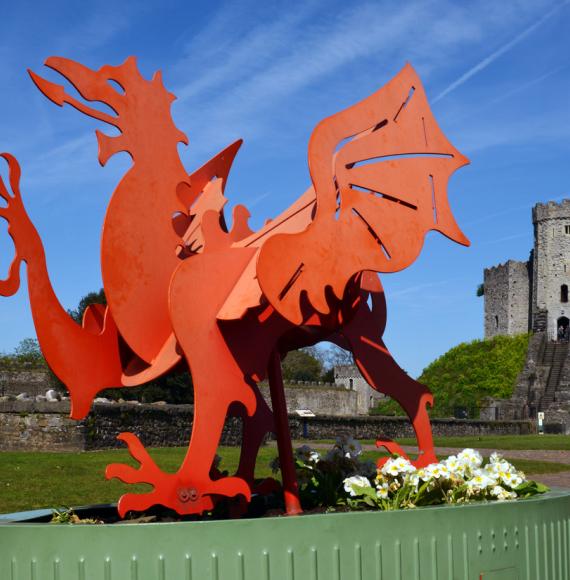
x=186, y=291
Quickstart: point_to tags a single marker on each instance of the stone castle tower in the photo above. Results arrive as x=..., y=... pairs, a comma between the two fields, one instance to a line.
x=533, y=295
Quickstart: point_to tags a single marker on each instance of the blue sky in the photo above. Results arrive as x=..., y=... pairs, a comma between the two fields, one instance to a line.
x=497, y=75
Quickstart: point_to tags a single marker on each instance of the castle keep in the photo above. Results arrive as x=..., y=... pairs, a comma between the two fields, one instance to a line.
x=532, y=297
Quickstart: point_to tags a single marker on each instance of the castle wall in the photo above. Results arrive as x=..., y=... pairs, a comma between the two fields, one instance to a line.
x=349, y=377
x=551, y=264
x=507, y=299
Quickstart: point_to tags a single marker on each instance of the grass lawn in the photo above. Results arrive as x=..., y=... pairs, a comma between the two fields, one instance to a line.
x=30, y=480
x=37, y=480
x=524, y=442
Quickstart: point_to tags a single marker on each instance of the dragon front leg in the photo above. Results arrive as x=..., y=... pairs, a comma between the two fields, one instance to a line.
x=192, y=489
x=219, y=384
x=383, y=374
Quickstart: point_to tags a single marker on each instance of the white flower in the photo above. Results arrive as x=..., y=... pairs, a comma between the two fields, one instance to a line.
x=454, y=466
x=495, y=457
x=423, y=475
x=512, y=479
x=470, y=458
x=505, y=472
x=437, y=470
x=413, y=479
x=382, y=490
x=480, y=480
x=395, y=466
x=355, y=481
x=502, y=494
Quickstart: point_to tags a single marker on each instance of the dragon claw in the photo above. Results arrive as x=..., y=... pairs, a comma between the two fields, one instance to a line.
x=186, y=494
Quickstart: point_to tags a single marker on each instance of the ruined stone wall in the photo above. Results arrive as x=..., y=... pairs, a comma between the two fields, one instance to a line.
x=551, y=265
x=507, y=299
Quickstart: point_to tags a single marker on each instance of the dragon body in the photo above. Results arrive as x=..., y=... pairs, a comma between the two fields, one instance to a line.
x=183, y=289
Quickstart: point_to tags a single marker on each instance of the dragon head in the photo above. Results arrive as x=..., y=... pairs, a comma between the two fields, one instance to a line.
x=380, y=170
x=141, y=108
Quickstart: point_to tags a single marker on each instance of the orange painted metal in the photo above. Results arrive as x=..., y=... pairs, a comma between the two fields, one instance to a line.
x=183, y=288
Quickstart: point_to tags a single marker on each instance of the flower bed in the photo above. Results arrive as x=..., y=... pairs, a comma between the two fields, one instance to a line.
x=341, y=478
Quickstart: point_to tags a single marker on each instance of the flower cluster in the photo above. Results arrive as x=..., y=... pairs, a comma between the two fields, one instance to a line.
x=321, y=477
x=460, y=478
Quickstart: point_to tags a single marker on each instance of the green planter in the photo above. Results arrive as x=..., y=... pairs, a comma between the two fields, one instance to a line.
x=523, y=540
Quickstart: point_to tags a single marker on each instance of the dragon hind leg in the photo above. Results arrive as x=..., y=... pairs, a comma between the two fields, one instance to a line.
x=384, y=375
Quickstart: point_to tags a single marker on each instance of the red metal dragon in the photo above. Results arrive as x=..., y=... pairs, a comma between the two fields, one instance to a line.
x=185, y=290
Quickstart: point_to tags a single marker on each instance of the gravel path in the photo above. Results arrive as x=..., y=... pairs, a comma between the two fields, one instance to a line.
x=555, y=456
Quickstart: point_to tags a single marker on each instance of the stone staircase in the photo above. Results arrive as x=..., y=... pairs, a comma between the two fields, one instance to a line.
x=554, y=355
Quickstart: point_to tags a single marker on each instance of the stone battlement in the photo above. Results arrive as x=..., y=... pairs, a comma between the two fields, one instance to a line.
x=506, y=266
x=551, y=210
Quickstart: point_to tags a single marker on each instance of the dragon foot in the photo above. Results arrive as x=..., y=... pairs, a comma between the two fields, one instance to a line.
x=185, y=493
x=392, y=448
x=424, y=458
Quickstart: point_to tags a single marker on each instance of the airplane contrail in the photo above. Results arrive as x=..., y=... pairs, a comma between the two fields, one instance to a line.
x=499, y=52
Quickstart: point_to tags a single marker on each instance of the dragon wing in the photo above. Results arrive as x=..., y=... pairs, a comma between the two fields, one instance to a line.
x=380, y=170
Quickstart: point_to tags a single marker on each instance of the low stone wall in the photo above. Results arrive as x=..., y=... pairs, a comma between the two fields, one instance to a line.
x=154, y=425
x=398, y=427
x=35, y=426
x=39, y=426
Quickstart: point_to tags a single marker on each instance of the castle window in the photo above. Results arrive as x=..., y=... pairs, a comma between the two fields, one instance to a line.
x=496, y=322
x=567, y=229
x=564, y=293
x=350, y=384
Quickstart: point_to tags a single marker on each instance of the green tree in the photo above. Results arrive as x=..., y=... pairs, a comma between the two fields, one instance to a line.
x=91, y=298
x=468, y=373
x=28, y=351
x=301, y=365
x=471, y=371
